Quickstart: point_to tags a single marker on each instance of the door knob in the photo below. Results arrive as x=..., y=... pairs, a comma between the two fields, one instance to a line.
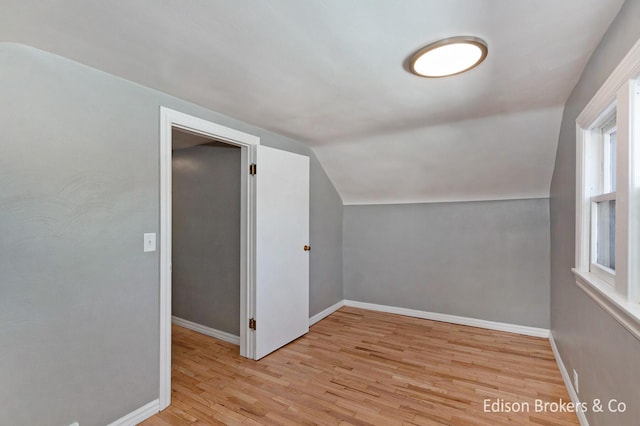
x=307, y=248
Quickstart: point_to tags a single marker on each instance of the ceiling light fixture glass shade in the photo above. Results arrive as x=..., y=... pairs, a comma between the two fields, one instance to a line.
x=449, y=56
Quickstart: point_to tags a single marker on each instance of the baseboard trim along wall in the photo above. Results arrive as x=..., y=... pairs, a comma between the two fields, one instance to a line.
x=325, y=313
x=139, y=415
x=221, y=335
x=582, y=418
x=454, y=319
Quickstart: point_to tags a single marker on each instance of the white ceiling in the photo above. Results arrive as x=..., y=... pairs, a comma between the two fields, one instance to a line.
x=330, y=73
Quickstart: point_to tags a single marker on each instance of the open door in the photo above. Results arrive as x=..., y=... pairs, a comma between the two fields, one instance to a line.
x=282, y=252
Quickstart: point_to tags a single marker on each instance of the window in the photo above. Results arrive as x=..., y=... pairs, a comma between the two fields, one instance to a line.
x=603, y=202
x=608, y=195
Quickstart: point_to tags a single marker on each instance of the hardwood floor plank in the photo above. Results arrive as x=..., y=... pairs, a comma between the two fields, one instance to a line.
x=359, y=367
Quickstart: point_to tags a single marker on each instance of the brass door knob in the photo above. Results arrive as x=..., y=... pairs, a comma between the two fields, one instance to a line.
x=307, y=248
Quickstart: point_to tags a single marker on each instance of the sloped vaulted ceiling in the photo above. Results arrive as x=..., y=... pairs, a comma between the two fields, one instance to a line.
x=330, y=73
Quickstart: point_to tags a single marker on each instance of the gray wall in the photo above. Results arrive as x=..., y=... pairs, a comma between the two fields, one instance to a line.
x=604, y=353
x=487, y=260
x=206, y=236
x=79, y=174
x=325, y=227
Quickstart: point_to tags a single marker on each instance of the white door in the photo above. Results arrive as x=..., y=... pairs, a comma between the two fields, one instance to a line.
x=282, y=261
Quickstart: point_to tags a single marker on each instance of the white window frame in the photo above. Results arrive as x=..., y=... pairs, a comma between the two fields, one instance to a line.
x=617, y=292
x=599, y=186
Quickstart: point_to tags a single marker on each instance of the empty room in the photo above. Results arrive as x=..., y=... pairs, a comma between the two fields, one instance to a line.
x=319, y=212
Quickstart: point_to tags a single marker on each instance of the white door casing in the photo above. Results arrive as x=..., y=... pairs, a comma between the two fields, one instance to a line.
x=170, y=119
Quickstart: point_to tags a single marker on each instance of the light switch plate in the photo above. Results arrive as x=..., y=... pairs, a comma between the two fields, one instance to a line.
x=149, y=242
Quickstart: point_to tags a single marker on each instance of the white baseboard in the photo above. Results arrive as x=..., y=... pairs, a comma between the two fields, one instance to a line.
x=454, y=319
x=139, y=415
x=208, y=331
x=582, y=418
x=322, y=315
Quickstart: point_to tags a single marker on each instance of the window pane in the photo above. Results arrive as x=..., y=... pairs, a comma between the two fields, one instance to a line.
x=606, y=234
x=612, y=161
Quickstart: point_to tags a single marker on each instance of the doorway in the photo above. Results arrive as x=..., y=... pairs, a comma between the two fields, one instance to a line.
x=170, y=121
x=205, y=290
x=274, y=241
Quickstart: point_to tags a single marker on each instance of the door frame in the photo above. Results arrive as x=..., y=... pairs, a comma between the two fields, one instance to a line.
x=170, y=119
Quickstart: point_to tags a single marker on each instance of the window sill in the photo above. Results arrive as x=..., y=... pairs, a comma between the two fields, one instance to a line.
x=627, y=314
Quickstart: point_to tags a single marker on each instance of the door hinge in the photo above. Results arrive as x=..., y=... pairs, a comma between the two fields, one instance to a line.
x=252, y=324
x=253, y=169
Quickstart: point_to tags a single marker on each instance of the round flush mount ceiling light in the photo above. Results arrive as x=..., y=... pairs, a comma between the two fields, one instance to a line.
x=449, y=56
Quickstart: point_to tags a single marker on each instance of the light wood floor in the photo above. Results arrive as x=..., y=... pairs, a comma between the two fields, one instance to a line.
x=360, y=367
